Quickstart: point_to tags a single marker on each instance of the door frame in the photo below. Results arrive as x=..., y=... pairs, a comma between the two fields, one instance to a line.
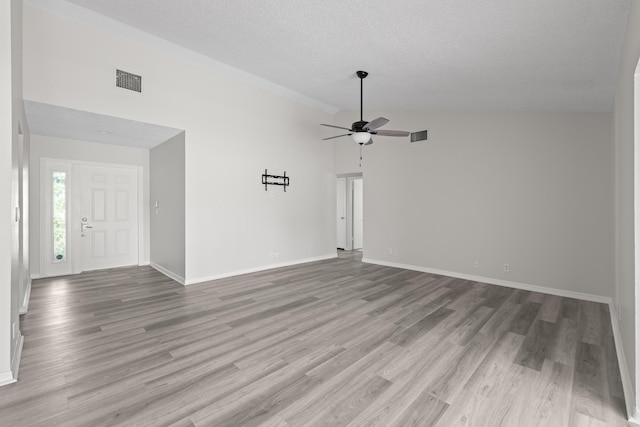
x=73, y=216
x=350, y=177
x=341, y=221
x=355, y=220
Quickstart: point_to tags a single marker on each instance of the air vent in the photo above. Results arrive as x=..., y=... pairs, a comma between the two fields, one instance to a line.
x=419, y=136
x=128, y=81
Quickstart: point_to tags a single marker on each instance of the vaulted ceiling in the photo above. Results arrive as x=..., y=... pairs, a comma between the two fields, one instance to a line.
x=518, y=55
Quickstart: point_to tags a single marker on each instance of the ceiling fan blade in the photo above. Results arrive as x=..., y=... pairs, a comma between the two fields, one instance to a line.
x=332, y=126
x=337, y=136
x=392, y=133
x=376, y=123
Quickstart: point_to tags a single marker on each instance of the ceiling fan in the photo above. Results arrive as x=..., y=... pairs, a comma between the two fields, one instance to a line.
x=361, y=131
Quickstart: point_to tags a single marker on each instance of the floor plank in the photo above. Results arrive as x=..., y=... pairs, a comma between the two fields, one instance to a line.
x=335, y=342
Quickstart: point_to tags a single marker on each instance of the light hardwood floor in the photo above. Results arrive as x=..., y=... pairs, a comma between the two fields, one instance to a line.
x=336, y=342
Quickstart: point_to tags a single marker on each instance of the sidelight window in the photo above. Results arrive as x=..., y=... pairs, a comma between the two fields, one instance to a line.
x=59, y=209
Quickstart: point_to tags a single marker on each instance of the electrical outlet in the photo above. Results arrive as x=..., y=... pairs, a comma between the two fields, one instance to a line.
x=506, y=268
x=476, y=264
x=275, y=254
x=390, y=251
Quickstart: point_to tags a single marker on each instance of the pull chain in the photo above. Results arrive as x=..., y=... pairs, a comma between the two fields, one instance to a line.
x=360, y=155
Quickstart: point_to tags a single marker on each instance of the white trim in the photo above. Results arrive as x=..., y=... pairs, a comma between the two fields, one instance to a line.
x=17, y=356
x=142, y=224
x=261, y=268
x=492, y=281
x=10, y=377
x=627, y=385
x=6, y=378
x=24, y=307
x=95, y=20
x=168, y=273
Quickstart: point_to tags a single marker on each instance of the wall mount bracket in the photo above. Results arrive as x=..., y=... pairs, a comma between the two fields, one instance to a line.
x=282, y=180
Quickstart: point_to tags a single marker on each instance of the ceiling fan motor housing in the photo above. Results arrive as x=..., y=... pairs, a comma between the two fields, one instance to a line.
x=358, y=126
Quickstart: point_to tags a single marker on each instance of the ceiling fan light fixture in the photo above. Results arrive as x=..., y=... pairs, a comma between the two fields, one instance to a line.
x=361, y=137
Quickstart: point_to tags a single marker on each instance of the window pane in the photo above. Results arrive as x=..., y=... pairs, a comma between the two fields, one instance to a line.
x=59, y=216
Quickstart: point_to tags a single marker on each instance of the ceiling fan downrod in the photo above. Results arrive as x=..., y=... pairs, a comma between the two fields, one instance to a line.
x=361, y=75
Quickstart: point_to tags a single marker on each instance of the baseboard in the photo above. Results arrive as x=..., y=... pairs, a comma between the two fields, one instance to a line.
x=6, y=378
x=11, y=376
x=168, y=273
x=627, y=384
x=261, y=268
x=17, y=356
x=24, y=307
x=492, y=281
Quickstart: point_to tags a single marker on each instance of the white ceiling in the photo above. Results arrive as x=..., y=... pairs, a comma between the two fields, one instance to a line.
x=542, y=55
x=61, y=122
x=467, y=55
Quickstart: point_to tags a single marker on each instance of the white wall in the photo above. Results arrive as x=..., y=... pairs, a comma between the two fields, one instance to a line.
x=167, y=220
x=66, y=149
x=233, y=132
x=11, y=119
x=626, y=296
x=532, y=190
x=6, y=129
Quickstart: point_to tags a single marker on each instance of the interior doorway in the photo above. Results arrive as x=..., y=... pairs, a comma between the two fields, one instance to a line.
x=350, y=212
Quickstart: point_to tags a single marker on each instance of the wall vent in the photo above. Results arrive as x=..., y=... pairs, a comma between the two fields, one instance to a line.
x=419, y=136
x=129, y=81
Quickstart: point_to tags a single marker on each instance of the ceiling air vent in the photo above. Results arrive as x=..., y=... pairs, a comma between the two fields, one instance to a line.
x=128, y=81
x=419, y=136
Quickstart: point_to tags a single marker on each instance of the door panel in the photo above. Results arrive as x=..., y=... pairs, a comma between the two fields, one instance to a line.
x=108, y=217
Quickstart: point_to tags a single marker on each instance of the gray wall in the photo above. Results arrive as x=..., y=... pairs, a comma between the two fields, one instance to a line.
x=532, y=190
x=167, y=187
x=626, y=298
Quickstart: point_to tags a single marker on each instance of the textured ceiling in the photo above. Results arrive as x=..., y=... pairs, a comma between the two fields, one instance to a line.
x=549, y=55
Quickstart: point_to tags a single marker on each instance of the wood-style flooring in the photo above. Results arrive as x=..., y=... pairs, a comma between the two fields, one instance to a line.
x=333, y=343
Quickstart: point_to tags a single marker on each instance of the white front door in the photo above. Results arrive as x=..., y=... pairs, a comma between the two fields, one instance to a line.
x=107, y=217
x=341, y=212
x=89, y=216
